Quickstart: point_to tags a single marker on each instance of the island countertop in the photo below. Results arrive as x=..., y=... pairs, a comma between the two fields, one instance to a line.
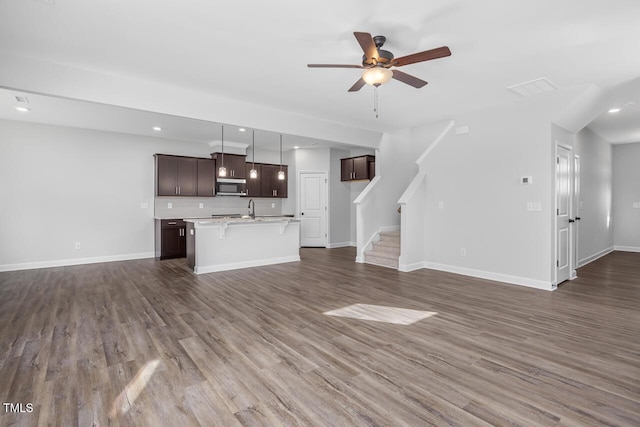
x=208, y=222
x=218, y=244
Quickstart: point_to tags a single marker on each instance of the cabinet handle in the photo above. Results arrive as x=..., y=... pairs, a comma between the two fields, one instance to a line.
x=276, y=193
x=176, y=190
x=172, y=223
x=179, y=190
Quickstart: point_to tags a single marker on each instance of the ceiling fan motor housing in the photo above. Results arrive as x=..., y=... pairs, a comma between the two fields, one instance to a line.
x=384, y=58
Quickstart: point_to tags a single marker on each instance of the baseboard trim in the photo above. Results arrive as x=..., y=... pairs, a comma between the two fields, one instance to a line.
x=406, y=268
x=389, y=228
x=75, y=261
x=594, y=257
x=340, y=245
x=627, y=248
x=497, y=277
x=245, y=264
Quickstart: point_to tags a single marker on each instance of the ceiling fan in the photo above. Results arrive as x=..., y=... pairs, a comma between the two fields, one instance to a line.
x=377, y=63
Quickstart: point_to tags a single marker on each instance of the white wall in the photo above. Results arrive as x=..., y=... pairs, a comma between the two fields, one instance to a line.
x=595, y=229
x=475, y=177
x=626, y=192
x=340, y=203
x=67, y=185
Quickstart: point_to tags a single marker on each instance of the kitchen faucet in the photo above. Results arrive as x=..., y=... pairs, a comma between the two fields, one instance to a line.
x=252, y=214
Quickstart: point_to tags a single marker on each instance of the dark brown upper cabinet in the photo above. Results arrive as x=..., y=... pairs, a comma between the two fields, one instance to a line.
x=271, y=186
x=206, y=177
x=177, y=176
x=357, y=168
x=254, y=184
x=234, y=163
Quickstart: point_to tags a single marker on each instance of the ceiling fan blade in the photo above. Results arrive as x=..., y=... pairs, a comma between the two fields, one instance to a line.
x=408, y=79
x=357, y=86
x=427, y=55
x=368, y=46
x=333, y=66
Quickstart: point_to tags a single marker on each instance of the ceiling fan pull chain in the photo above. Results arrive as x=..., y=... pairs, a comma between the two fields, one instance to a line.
x=375, y=100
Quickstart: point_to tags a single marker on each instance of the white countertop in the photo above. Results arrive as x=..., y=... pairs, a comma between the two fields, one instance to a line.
x=224, y=219
x=227, y=221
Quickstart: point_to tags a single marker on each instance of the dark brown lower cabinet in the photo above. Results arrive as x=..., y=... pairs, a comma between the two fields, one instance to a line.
x=171, y=240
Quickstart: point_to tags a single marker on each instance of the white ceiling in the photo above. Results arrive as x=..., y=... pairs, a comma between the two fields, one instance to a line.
x=91, y=115
x=257, y=51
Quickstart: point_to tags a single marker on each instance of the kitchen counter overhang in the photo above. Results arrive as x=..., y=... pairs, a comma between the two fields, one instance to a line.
x=219, y=244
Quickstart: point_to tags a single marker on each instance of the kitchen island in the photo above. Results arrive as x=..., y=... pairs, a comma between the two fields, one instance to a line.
x=219, y=244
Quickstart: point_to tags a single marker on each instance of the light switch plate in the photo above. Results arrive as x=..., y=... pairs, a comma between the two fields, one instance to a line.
x=636, y=205
x=144, y=205
x=201, y=205
x=534, y=206
x=441, y=204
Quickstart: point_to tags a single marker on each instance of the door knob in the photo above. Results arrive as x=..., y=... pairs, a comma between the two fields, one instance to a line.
x=571, y=220
x=302, y=213
x=578, y=218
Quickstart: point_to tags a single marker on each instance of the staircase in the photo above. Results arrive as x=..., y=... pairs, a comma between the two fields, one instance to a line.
x=385, y=251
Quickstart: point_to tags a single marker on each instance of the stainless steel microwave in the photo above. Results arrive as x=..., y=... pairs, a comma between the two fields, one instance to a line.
x=231, y=187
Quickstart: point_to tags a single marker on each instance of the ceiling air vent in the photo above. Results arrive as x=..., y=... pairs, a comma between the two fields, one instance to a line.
x=22, y=99
x=533, y=87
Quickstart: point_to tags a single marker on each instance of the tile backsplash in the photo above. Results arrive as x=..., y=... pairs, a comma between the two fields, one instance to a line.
x=189, y=207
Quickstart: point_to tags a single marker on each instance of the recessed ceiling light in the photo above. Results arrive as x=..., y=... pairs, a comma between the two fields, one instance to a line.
x=242, y=130
x=296, y=147
x=157, y=128
x=614, y=110
x=23, y=109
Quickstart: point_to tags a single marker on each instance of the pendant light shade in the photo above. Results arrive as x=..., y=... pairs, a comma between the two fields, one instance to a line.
x=281, y=175
x=253, y=173
x=222, y=171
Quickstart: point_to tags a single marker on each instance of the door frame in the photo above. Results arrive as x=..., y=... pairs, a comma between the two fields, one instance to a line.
x=576, y=213
x=572, y=195
x=326, y=200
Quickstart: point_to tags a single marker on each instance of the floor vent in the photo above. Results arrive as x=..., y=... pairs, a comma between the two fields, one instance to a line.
x=533, y=87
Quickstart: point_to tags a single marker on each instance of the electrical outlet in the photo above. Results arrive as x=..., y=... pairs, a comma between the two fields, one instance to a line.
x=77, y=245
x=201, y=205
x=463, y=252
x=441, y=204
x=636, y=205
x=273, y=205
x=144, y=205
x=169, y=205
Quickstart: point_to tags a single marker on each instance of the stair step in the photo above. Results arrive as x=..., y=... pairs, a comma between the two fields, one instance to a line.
x=389, y=243
x=390, y=238
x=387, y=248
x=373, y=258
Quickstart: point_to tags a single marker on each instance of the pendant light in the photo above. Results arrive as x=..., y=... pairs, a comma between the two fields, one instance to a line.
x=222, y=171
x=253, y=173
x=281, y=172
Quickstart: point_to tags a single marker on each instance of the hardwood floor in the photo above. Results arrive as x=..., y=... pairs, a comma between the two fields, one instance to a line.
x=147, y=343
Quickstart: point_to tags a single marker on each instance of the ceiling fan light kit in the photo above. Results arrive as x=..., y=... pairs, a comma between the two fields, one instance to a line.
x=377, y=63
x=377, y=76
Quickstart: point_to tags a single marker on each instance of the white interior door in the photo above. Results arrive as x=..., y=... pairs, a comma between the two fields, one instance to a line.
x=313, y=209
x=576, y=210
x=563, y=212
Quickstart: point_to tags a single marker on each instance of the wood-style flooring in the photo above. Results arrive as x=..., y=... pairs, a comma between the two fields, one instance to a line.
x=147, y=343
